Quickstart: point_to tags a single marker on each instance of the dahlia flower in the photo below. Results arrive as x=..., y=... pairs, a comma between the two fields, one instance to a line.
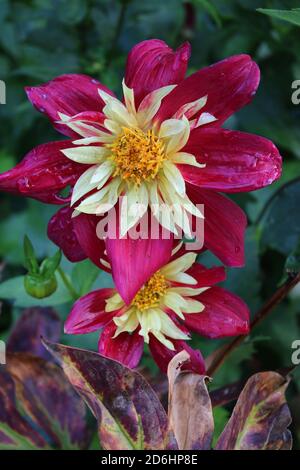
x=178, y=298
x=162, y=144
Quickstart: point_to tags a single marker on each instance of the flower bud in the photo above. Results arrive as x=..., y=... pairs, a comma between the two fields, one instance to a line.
x=39, y=287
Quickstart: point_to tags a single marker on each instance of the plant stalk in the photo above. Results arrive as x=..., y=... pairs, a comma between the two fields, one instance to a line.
x=68, y=284
x=267, y=308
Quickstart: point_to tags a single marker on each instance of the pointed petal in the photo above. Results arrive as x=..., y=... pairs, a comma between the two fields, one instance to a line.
x=229, y=85
x=174, y=177
x=224, y=226
x=90, y=154
x=176, y=133
x=225, y=314
x=129, y=98
x=61, y=232
x=162, y=355
x=133, y=211
x=88, y=313
x=151, y=104
x=125, y=348
x=181, y=264
x=42, y=174
x=83, y=185
x=235, y=161
x=152, y=64
x=134, y=261
x=69, y=94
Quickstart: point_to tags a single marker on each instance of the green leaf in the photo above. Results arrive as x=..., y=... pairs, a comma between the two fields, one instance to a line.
x=292, y=16
x=246, y=281
x=84, y=275
x=280, y=226
x=71, y=13
x=50, y=265
x=13, y=289
x=7, y=161
x=30, y=261
x=211, y=9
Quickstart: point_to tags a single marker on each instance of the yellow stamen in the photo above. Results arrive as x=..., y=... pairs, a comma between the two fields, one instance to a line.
x=138, y=155
x=150, y=294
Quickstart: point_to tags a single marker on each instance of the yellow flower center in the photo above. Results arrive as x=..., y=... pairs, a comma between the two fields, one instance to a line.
x=150, y=294
x=138, y=155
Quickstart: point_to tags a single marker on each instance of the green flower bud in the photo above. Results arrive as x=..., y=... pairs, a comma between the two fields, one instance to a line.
x=38, y=287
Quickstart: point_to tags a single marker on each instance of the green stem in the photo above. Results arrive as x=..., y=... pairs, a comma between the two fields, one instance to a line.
x=68, y=284
x=118, y=30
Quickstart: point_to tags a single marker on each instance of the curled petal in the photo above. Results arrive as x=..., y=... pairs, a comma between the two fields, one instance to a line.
x=85, y=228
x=61, y=232
x=224, y=226
x=225, y=314
x=229, y=85
x=88, y=313
x=68, y=94
x=235, y=161
x=152, y=64
x=162, y=355
x=125, y=348
x=42, y=174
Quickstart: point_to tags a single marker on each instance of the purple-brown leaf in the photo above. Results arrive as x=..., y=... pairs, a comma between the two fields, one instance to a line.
x=33, y=324
x=39, y=407
x=128, y=411
x=15, y=430
x=190, y=409
x=261, y=416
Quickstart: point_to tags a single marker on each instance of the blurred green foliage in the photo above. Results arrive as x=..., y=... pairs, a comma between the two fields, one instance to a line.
x=40, y=39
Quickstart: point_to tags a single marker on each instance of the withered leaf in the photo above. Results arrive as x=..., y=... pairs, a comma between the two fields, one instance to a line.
x=261, y=416
x=128, y=411
x=190, y=409
x=34, y=323
x=39, y=408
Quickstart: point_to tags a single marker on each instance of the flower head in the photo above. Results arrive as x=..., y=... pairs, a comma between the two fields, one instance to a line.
x=178, y=298
x=137, y=156
x=162, y=145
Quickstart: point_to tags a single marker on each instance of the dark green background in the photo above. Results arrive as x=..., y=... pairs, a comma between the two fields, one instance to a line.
x=41, y=39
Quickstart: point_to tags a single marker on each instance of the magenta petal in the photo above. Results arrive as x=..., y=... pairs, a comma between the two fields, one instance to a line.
x=153, y=64
x=207, y=276
x=235, y=161
x=68, y=94
x=43, y=173
x=61, y=232
x=88, y=313
x=225, y=314
x=85, y=228
x=229, y=85
x=125, y=348
x=163, y=355
x=133, y=262
x=224, y=226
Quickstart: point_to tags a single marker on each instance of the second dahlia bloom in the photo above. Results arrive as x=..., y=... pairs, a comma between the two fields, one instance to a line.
x=162, y=143
x=178, y=298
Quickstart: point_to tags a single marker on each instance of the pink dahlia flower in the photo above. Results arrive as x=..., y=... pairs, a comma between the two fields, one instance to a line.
x=162, y=144
x=178, y=298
